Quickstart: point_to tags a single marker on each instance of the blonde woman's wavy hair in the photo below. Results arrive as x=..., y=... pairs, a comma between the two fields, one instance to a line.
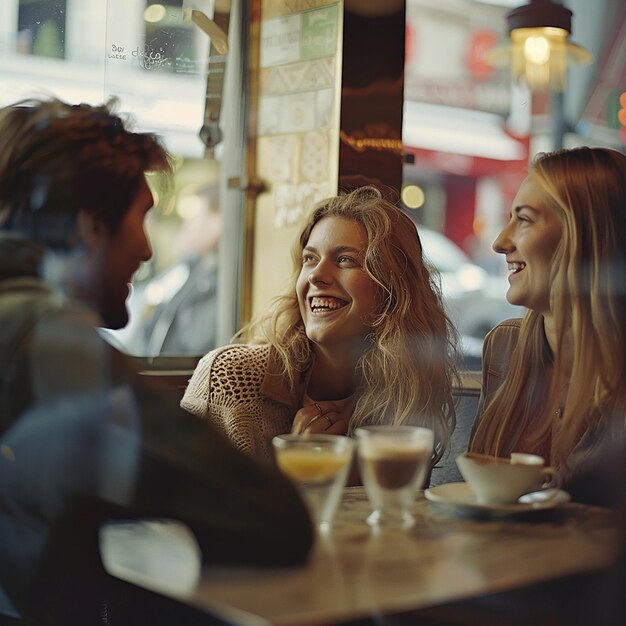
x=587, y=188
x=407, y=372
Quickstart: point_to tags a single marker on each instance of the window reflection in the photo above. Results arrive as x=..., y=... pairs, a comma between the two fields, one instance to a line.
x=170, y=41
x=173, y=306
x=41, y=28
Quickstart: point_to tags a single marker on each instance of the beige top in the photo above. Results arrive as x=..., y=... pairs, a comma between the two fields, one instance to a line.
x=240, y=388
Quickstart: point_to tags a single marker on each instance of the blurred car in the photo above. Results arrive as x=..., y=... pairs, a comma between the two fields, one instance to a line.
x=475, y=300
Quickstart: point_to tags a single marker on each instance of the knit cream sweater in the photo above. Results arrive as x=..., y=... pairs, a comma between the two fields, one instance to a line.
x=240, y=388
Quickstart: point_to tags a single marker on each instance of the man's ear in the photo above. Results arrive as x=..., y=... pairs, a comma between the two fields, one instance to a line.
x=90, y=229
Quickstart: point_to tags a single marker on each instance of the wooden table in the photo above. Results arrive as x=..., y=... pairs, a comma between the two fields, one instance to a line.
x=356, y=572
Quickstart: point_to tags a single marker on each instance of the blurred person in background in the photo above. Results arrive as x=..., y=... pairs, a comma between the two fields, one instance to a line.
x=185, y=322
x=554, y=382
x=361, y=337
x=82, y=440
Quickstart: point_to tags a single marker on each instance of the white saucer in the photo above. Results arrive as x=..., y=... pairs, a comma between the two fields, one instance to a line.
x=461, y=496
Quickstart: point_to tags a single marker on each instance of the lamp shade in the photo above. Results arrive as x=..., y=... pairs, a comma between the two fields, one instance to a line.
x=540, y=13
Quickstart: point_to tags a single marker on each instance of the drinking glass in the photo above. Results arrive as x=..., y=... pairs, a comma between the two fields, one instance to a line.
x=393, y=461
x=319, y=466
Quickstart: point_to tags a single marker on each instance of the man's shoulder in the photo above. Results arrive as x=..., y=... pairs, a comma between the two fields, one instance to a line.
x=33, y=292
x=23, y=301
x=49, y=347
x=32, y=299
x=25, y=286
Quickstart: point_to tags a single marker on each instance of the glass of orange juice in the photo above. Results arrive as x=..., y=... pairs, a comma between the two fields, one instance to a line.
x=319, y=466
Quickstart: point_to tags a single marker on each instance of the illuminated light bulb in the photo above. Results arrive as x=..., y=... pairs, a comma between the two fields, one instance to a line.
x=537, y=50
x=413, y=196
x=188, y=206
x=154, y=13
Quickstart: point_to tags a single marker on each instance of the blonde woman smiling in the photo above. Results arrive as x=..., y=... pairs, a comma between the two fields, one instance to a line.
x=360, y=338
x=554, y=383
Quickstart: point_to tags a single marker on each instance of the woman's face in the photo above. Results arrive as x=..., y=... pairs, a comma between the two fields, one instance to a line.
x=337, y=298
x=529, y=241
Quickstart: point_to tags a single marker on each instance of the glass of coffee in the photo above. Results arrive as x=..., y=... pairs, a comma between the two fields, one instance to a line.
x=319, y=466
x=393, y=461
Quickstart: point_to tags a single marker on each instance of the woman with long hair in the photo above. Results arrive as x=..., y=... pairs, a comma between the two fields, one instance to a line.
x=554, y=383
x=361, y=337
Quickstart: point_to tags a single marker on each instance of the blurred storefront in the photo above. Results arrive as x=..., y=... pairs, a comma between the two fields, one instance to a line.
x=462, y=144
x=469, y=132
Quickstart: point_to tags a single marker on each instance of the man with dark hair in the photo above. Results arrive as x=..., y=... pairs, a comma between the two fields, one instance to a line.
x=82, y=440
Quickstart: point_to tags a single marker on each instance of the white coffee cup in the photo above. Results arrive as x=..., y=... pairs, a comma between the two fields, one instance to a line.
x=497, y=480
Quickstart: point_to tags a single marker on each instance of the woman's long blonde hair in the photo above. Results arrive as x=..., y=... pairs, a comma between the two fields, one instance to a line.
x=587, y=188
x=405, y=376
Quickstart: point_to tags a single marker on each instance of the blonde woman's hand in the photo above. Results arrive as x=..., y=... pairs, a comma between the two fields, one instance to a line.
x=320, y=417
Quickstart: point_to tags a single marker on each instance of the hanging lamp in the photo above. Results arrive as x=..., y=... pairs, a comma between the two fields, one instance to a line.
x=540, y=50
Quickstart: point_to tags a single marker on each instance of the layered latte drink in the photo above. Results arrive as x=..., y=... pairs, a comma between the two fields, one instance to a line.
x=393, y=462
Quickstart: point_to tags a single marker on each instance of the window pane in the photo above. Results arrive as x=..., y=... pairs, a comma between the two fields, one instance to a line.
x=41, y=28
x=154, y=61
x=173, y=307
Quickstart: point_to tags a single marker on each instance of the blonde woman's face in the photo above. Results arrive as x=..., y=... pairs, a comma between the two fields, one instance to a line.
x=529, y=241
x=336, y=295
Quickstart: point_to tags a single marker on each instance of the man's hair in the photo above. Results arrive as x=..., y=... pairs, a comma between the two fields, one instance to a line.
x=407, y=372
x=57, y=160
